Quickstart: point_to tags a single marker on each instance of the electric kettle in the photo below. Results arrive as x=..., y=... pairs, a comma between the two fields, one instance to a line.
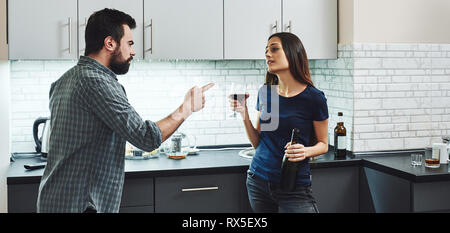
x=43, y=141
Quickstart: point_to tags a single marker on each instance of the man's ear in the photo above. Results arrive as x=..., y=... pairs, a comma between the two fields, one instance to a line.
x=110, y=44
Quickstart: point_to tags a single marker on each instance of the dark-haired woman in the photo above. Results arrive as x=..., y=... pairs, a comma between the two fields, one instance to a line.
x=287, y=100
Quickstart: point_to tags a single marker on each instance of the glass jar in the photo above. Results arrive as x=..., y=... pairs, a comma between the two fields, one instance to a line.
x=175, y=151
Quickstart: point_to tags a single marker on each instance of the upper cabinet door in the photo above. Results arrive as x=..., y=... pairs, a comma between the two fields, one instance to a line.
x=36, y=32
x=181, y=29
x=247, y=26
x=315, y=23
x=132, y=7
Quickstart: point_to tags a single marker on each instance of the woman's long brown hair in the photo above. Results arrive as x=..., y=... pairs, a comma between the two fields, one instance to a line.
x=296, y=56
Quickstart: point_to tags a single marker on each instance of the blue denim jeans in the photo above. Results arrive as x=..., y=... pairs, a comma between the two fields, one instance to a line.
x=266, y=197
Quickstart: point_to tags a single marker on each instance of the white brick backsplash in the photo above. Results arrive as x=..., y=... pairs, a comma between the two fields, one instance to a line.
x=335, y=79
x=400, y=127
x=366, y=104
x=374, y=135
x=367, y=63
x=419, y=142
x=27, y=66
x=399, y=103
x=154, y=88
x=393, y=96
x=384, y=127
x=364, y=128
x=406, y=84
x=380, y=144
x=401, y=63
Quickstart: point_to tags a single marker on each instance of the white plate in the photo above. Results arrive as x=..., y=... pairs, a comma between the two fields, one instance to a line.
x=247, y=153
x=154, y=156
x=191, y=151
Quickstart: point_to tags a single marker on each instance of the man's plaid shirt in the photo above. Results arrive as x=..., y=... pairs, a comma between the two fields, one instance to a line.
x=91, y=120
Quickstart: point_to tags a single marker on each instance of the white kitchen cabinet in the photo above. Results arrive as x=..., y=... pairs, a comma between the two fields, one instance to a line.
x=132, y=7
x=44, y=29
x=175, y=29
x=180, y=29
x=247, y=26
x=315, y=23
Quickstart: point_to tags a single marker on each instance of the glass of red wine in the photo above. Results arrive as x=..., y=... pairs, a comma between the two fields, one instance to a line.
x=236, y=92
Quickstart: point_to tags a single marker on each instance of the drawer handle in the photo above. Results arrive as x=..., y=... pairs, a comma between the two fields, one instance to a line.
x=200, y=189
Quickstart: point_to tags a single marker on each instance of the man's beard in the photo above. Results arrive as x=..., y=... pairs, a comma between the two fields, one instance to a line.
x=117, y=66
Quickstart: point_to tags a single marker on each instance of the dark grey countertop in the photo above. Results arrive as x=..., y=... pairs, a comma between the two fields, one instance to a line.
x=229, y=161
x=206, y=161
x=400, y=165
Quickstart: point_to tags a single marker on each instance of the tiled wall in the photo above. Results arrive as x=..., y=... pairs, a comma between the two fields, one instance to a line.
x=335, y=79
x=401, y=94
x=154, y=88
x=393, y=96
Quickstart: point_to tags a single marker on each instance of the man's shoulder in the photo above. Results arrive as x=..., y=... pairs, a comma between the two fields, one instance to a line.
x=87, y=76
x=92, y=72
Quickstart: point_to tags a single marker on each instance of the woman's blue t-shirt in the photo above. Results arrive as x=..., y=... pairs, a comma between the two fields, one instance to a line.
x=294, y=112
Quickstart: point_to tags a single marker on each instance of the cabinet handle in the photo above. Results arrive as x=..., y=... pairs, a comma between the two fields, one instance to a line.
x=70, y=35
x=275, y=26
x=85, y=26
x=151, y=37
x=200, y=189
x=289, y=26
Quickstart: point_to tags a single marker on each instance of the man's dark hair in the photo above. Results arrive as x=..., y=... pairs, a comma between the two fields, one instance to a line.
x=104, y=23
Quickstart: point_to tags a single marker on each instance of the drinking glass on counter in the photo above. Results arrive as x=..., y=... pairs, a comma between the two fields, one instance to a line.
x=416, y=159
x=432, y=160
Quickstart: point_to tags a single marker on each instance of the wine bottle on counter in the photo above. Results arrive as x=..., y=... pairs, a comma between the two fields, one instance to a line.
x=340, y=140
x=289, y=169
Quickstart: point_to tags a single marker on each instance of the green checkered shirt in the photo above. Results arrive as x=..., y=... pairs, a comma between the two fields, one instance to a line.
x=91, y=120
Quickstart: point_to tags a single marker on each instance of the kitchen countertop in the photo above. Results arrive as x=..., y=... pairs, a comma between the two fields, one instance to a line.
x=400, y=165
x=219, y=161
x=228, y=161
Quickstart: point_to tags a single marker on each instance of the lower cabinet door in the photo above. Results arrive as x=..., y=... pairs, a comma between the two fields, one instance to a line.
x=336, y=190
x=137, y=192
x=218, y=193
x=22, y=198
x=137, y=196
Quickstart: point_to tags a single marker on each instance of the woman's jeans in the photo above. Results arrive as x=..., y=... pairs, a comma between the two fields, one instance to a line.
x=266, y=197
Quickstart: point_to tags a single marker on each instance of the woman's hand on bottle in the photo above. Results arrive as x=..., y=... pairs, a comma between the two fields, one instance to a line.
x=295, y=153
x=239, y=106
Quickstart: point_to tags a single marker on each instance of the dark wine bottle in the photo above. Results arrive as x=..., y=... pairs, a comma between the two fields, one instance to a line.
x=289, y=169
x=340, y=141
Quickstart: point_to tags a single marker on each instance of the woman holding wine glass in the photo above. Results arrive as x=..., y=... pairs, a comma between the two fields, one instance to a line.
x=238, y=93
x=300, y=105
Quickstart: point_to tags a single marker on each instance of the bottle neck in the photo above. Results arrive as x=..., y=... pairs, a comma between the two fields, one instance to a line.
x=340, y=121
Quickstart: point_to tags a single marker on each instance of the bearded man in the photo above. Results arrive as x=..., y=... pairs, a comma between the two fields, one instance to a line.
x=91, y=120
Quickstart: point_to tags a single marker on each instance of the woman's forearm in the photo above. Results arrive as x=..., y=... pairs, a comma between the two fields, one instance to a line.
x=316, y=150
